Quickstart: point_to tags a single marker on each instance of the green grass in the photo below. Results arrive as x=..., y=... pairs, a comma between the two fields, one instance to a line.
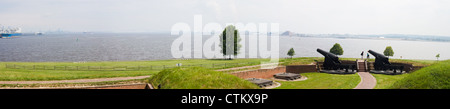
x=170, y=63
x=415, y=62
x=198, y=78
x=323, y=81
x=134, y=81
x=43, y=75
x=309, y=60
x=436, y=76
x=385, y=81
x=301, y=60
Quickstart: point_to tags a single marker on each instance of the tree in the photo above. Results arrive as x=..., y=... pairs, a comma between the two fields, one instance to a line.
x=291, y=52
x=388, y=51
x=337, y=49
x=437, y=56
x=229, y=41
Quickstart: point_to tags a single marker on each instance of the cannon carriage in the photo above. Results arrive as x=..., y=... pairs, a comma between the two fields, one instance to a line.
x=332, y=64
x=382, y=64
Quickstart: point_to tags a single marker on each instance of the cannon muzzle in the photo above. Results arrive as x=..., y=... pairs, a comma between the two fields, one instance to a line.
x=380, y=59
x=327, y=54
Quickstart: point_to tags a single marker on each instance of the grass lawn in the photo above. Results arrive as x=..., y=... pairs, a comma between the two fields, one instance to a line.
x=134, y=81
x=436, y=76
x=385, y=81
x=198, y=78
x=422, y=76
x=301, y=60
x=43, y=75
x=323, y=81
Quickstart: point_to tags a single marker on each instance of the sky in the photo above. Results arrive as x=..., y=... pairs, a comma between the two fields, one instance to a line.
x=418, y=17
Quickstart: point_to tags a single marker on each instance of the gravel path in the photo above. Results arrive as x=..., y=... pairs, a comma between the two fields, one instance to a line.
x=367, y=81
x=74, y=81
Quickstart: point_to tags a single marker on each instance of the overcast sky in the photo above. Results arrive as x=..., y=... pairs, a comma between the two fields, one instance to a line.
x=421, y=17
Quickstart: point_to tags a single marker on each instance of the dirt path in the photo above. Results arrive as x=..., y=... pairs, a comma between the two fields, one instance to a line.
x=74, y=81
x=367, y=81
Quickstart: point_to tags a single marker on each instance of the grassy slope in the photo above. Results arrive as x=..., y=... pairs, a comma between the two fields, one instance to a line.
x=198, y=78
x=322, y=81
x=384, y=81
x=41, y=75
x=436, y=76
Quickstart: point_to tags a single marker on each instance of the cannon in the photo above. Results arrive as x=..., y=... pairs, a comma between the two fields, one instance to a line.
x=332, y=62
x=382, y=63
x=260, y=82
x=287, y=76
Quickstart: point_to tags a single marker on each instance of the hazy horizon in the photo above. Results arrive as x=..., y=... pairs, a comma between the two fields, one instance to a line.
x=415, y=17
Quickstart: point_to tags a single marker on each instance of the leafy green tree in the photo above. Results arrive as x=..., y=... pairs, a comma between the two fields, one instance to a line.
x=388, y=51
x=229, y=41
x=437, y=56
x=337, y=49
x=291, y=52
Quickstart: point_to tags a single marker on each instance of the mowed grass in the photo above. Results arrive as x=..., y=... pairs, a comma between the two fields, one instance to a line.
x=59, y=85
x=301, y=60
x=43, y=75
x=198, y=78
x=323, y=81
x=170, y=63
x=436, y=76
x=385, y=81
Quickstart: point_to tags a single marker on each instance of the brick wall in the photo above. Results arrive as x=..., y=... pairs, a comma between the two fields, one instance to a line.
x=301, y=68
x=127, y=86
x=261, y=73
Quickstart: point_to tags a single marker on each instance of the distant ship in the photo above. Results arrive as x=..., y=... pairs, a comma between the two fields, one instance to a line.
x=38, y=33
x=10, y=32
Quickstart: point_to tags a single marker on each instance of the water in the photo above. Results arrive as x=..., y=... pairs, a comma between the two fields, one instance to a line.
x=129, y=47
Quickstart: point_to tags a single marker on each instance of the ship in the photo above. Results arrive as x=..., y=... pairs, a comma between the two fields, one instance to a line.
x=10, y=32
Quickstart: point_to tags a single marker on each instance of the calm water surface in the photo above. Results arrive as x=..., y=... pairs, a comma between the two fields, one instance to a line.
x=129, y=47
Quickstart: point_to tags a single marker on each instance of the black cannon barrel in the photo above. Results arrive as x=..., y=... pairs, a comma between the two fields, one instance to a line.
x=326, y=54
x=380, y=60
x=377, y=55
x=331, y=62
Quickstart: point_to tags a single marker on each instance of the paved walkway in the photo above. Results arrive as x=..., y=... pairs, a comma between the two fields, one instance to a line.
x=74, y=81
x=367, y=81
